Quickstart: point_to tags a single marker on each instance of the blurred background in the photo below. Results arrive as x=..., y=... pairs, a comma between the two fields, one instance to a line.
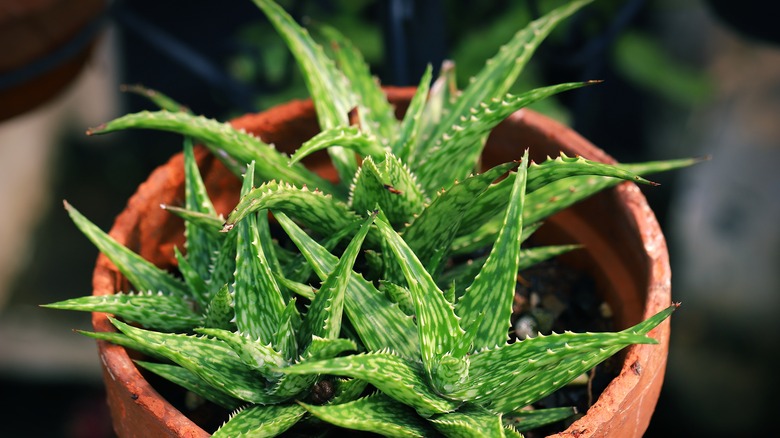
x=682, y=79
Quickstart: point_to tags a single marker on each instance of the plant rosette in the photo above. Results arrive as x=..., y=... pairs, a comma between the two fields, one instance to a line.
x=372, y=289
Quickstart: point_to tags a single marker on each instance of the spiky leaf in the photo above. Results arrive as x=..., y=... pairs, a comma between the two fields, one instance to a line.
x=413, y=119
x=466, y=138
x=316, y=210
x=151, y=309
x=349, y=137
x=376, y=413
x=524, y=420
x=328, y=88
x=469, y=421
x=389, y=185
x=494, y=286
x=224, y=141
x=379, y=322
x=140, y=272
x=210, y=359
x=261, y=421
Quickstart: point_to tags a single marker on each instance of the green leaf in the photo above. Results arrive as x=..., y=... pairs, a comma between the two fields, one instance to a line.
x=140, y=272
x=257, y=297
x=349, y=137
x=516, y=375
x=153, y=310
x=200, y=242
x=122, y=340
x=255, y=354
x=437, y=324
x=328, y=87
x=552, y=186
x=225, y=142
x=469, y=421
x=295, y=287
x=379, y=322
x=397, y=377
x=219, y=313
x=524, y=420
x=501, y=71
x=190, y=382
x=209, y=359
x=494, y=286
x=441, y=96
x=261, y=421
x=465, y=139
x=347, y=390
x=316, y=210
x=433, y=230
x=376, y=114
x=197, y=285
x=211, y=223
x=286, y=341
x=411, y=124
x=485, y=236
x=399, y=295
x=324, y=316
x=376, y=413
x=391, y=186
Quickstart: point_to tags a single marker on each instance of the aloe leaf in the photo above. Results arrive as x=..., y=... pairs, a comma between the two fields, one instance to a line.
x=200, y=244
x=347, y=390
x=399, y=295
x=376, y=114
x=379, y=322
x=554, y=196
x=437, y=324
x=223, y=265
x=261, y=421
x=501, y=71
x=442, y=94
x=553, y=169
x=209, y=359
x=316, y=210
x=255, y=354
x=469, y=421
x=397, y=377
x=349, y=137
x=140, y=272
x=328, y=87
x=376, y=413
x=150, y=309
x=161, y=100
x=524, y=420
x=295, y=287
x=391, y=186
x=190, y=382
x=224, y=141
x=411, y=124
x=465, y=139
x=495, y=283
x=122, y=340
x=294, y=385
x=219, y=312
x=211, y=223
x=323, y=318
x=257, y=297
x=434, y=229
x=196, y=283
x=286, y=341
x=508, y=378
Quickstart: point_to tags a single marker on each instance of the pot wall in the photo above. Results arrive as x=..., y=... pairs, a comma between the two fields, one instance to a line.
x=625, y=252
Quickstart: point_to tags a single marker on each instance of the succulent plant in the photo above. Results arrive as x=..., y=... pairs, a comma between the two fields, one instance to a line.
x=359, y=314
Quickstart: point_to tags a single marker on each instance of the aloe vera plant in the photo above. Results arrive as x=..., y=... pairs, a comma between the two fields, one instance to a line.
x=359, y=315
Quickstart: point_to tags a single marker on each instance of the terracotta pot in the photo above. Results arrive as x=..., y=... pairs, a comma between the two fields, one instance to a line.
x=625, y=252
